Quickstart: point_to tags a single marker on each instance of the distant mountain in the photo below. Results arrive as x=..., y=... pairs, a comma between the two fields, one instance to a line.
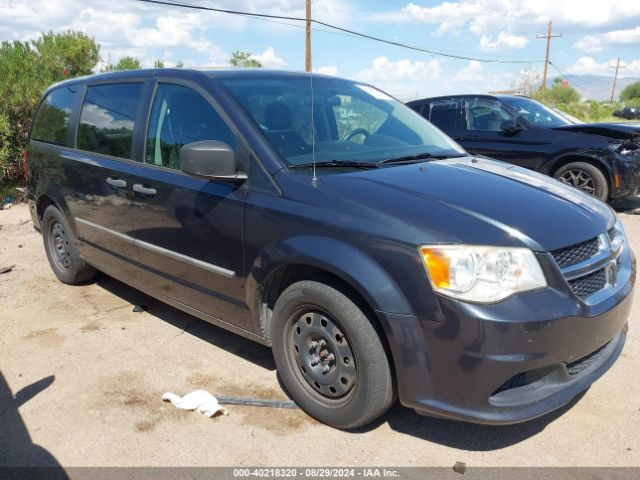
x=596, y=87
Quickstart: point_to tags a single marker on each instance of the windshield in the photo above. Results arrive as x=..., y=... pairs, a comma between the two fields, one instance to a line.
x=352, y=122
x=535, y=113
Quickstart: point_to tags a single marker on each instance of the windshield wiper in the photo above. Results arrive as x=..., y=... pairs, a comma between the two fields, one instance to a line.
x=418, y=156
x=336, y=164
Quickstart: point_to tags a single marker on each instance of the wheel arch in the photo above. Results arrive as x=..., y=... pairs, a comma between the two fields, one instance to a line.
x=306, y=257
x=594, y=160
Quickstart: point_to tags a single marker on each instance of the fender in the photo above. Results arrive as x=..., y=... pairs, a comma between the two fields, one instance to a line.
x=358, y=270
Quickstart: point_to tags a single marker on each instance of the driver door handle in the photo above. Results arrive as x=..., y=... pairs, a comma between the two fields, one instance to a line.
x=116, y=182
x=139, y=188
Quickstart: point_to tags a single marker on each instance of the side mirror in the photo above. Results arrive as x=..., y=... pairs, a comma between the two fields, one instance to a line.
x=210, y=159
x=510, y=126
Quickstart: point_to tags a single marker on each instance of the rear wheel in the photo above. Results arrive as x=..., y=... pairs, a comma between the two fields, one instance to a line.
x=585, y=177
x=329, y=356
x=59, y=244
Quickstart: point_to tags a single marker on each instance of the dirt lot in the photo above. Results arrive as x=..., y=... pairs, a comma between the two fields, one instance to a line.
x=81, y=379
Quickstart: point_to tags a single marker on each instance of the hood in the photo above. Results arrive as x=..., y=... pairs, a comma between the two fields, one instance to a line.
x=618, y=131
x=475, y=201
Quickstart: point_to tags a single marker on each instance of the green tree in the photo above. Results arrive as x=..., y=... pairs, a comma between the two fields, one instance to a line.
x=180, y=64
x=125, y=63
x=26, y=70
x=560, y=93
x=67, y=54
x=243, y=59
x=158, y=64
x=631, y=93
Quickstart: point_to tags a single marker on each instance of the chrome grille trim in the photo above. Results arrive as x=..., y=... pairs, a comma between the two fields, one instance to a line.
x=593, y=277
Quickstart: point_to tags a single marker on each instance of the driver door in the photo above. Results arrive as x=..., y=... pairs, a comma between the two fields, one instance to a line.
x=483, y=135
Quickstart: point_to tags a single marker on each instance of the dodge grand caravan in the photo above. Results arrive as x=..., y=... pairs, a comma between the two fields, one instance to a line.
x=323, y=218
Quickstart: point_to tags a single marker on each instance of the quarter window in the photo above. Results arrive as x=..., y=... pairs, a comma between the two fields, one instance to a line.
x=108, y=119
x=52, y=120
x=180, y=116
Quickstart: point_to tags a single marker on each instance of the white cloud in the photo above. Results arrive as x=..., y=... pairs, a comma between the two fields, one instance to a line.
x=503, y=41
x=473, y=71
x=521, y=19
x=408, y=80
x=269, y=59
x=327, y=70
x=403, y=78
x=598, y=42
x=589, y=66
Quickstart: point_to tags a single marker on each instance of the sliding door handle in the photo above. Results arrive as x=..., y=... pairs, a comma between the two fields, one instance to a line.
x=117, y=183
x=141, y=189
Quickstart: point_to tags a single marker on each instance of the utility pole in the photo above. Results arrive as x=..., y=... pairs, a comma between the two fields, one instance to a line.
x=615, y=79
x=307, y=60
x=548, y=36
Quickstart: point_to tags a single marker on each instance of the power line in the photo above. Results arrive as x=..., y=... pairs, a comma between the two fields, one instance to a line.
x=339, y=29
x=580, y=85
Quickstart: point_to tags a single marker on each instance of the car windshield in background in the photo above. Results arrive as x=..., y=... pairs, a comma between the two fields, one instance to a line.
x=535, y=113
x=353, y=122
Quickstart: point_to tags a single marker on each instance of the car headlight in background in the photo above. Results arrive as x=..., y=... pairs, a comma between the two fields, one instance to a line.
x=481, y=274
x=624, y=148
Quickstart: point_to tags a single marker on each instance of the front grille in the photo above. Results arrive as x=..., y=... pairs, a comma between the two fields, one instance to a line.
x=591, y=283
x=574, y=368
x=576, y=253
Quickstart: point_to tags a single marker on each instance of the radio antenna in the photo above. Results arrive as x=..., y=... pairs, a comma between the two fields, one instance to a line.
x=314, y=180
x=307, y=67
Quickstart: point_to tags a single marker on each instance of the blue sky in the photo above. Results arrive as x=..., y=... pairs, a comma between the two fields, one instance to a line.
x=595, y=33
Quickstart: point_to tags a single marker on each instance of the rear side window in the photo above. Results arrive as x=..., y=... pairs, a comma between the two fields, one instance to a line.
x=445, y=114
x=108, y=119
x=52, y=120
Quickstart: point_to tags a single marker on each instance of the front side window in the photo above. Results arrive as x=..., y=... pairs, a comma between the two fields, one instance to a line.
x=52, y=120
x=180, y=116
x=336, y=120
x=485, y=114
x=108, y=119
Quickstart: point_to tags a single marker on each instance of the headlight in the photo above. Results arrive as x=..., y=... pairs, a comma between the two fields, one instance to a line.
x=624, y=148
x=481, y=274
x=616, y=241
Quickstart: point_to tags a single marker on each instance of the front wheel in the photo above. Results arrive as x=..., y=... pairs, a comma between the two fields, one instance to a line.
x=329, y=356
x=585, y=177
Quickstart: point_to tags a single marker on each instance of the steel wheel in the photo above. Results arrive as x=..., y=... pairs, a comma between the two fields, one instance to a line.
x=59, y=245
x=323, y=354
x=579, y=179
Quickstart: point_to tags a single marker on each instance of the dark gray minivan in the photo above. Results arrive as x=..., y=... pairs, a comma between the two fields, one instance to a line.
x=325, y=219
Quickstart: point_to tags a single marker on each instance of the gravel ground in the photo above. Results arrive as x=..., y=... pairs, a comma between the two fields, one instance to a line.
x=81, y=379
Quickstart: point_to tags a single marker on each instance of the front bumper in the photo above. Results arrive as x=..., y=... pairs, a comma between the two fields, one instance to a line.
x=627, y=169
x=508, y=362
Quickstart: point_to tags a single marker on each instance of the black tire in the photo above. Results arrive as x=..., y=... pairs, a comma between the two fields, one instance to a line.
x=60, y=245
x=357, y=386
x=585, y=177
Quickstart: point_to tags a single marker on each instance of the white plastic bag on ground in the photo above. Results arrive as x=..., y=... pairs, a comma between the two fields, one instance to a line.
x=199, y=400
